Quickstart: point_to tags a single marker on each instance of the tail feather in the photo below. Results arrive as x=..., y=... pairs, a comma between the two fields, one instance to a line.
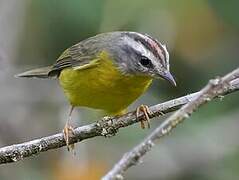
x=38, y=73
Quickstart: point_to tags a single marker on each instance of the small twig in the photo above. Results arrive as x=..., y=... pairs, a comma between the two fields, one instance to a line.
x=214, y=88
x=106, y=127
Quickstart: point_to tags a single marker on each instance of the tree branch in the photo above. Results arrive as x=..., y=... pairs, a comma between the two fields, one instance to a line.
x=105, y=127
x=214, y=88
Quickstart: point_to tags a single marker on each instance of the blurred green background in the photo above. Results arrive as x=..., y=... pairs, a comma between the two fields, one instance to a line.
x=203, y=40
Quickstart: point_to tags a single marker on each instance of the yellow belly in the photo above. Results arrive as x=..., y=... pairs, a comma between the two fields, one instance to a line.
x=102, y=87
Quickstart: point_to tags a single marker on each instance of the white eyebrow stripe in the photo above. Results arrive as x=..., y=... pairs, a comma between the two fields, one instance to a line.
x=166, y=54
x=139, y=47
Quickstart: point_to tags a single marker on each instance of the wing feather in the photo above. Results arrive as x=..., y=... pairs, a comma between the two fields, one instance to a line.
x=77, y=57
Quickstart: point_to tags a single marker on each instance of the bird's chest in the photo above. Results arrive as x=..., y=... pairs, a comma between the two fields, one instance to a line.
x=102, y=87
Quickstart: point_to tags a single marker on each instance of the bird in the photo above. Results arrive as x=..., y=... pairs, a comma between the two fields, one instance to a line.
x=108, y=71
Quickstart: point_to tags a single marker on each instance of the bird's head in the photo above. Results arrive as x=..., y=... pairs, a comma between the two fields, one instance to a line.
x=140, y=54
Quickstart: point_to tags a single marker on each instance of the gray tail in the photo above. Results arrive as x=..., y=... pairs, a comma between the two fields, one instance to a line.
x=37, y=73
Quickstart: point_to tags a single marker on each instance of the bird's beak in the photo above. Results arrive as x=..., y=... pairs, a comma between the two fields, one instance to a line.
x=169, y=77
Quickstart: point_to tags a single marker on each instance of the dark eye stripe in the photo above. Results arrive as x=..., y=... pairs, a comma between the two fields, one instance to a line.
x=152, y=45
x=162, y=53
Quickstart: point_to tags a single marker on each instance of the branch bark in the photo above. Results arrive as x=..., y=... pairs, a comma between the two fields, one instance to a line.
x=105, y=127
x=215, y=87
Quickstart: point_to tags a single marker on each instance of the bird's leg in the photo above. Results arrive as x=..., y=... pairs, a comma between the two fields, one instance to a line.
x=145, y=110
x=68, y=130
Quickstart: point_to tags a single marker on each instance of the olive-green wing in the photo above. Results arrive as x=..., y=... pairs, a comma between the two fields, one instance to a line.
x=77, y=57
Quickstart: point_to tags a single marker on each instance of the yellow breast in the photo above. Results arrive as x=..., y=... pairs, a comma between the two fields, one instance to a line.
x=102, y=87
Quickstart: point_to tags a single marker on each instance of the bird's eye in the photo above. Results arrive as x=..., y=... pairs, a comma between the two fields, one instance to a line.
x=145, y=61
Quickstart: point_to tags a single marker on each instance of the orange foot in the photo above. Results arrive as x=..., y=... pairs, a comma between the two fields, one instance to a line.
x=68, y=131
x=145, y=110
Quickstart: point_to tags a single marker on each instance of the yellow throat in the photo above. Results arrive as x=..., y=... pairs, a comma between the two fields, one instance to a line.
x=102, y=86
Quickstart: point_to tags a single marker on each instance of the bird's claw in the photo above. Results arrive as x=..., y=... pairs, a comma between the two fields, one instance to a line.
x=68, y=132
x=145, y=110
